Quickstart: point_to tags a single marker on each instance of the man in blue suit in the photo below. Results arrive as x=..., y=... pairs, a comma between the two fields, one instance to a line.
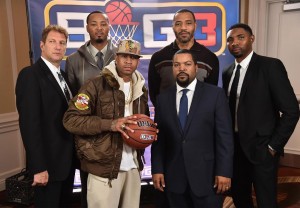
x=192, y=157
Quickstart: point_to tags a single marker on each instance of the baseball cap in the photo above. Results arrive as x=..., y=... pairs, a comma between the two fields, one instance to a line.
x=129, y=46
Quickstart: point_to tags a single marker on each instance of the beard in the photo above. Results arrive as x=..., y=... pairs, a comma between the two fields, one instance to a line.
x=99, y=40
x=183, y=82
x=237, y=55
x=186, y=39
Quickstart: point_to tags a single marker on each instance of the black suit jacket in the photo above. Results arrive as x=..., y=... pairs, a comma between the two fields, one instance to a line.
x=41, y=105
x=265, y=94
x=201, y=151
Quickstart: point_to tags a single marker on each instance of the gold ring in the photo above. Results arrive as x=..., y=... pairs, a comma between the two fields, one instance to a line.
x=123, y=126
x=227, y=187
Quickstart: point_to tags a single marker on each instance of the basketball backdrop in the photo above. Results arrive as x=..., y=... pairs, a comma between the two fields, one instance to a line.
x=120, y=17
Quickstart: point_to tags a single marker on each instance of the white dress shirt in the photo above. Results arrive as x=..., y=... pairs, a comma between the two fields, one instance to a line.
x=244, y=66
x=189, y=94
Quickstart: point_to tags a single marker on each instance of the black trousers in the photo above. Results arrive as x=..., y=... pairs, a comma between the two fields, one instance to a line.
x=189, y=200
x=48, y=196
x=262, y=176
x=83, y=178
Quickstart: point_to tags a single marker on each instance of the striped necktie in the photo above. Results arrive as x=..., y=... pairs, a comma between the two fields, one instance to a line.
x=65, y=88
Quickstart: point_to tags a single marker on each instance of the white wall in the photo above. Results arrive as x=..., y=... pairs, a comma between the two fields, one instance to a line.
x=277, y=34
x=11, y=147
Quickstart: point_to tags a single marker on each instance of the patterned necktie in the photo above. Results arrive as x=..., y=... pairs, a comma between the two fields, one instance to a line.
x=64, y=84
x=233, y=93
x=100, y=60
x=183, y=108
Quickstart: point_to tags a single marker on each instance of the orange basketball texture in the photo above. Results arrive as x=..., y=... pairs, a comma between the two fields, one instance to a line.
x=144, y=132
x=118, y=12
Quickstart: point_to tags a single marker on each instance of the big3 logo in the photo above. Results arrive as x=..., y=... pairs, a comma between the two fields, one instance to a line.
x=149, y=23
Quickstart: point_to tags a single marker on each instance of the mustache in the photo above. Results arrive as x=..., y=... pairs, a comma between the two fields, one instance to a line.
x=184, y=31
x=182, y=73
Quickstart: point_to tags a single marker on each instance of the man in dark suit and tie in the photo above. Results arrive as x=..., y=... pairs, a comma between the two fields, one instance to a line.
x=265, y=112
x=42, y=98
x=192, y=157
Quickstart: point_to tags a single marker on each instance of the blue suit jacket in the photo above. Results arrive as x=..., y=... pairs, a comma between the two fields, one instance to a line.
x=199, y=152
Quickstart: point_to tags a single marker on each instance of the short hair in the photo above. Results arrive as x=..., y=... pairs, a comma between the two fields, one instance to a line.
x=55, y=28
x=185, y=11
x=96, y=12
x=183, y=51
x=242, y=25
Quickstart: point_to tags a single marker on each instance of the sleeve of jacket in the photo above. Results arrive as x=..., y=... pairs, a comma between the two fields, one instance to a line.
x=69, y=68
x=79, y=118
x=285, y=101
x=224, y=137
x=153, y=80
x=29, y=105
x=158, y=147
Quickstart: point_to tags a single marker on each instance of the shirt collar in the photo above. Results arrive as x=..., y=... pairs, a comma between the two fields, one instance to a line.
x=52, y=68
x=191, y=86
x=93, y=50
x=245, y=63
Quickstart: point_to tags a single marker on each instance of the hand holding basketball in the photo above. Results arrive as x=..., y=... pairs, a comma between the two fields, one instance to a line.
x=143, y=134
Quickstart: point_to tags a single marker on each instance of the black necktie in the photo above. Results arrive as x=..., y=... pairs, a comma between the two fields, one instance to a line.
x=183, y=108
x=100, y=60
x=233, y=93
x=64, y=84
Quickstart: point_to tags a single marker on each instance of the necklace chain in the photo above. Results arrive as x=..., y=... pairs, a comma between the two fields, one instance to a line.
x=129, y=96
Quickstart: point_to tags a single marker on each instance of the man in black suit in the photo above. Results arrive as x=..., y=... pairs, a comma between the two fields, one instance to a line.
x=42, y=98
x=265, y=112
x=192, y=157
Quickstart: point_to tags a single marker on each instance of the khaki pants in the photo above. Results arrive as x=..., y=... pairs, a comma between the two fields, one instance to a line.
x=124, y=193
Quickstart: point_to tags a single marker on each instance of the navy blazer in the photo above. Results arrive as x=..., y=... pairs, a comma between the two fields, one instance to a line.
x=265, y=94
x=41, y=105
x=199, y=152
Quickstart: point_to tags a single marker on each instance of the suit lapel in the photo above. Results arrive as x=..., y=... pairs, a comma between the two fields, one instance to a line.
x=172, y=99
x=194, y=105
x=227, y=77
x=249, y=76
x=51, y=78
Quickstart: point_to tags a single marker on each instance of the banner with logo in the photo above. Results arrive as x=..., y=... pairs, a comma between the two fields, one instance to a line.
x=147, y=21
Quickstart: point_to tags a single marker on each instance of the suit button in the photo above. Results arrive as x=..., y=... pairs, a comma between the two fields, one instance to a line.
x=183, y=141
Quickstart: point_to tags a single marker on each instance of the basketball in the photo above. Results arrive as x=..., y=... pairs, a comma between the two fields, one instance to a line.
x=144, y=132
x=118, y=12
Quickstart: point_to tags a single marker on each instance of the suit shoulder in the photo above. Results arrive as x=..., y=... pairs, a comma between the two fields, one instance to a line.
x=167, y=91
x=211, y=86
x=29, y=70
x=73, y=55
x=267, y=59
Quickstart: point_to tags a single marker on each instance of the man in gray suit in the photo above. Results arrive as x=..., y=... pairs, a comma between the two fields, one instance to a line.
x=87, y=62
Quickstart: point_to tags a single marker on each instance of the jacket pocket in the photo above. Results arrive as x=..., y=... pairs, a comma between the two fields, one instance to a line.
x=95, y=149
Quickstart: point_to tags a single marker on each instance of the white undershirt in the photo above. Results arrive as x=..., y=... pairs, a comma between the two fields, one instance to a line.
x=127, y=162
